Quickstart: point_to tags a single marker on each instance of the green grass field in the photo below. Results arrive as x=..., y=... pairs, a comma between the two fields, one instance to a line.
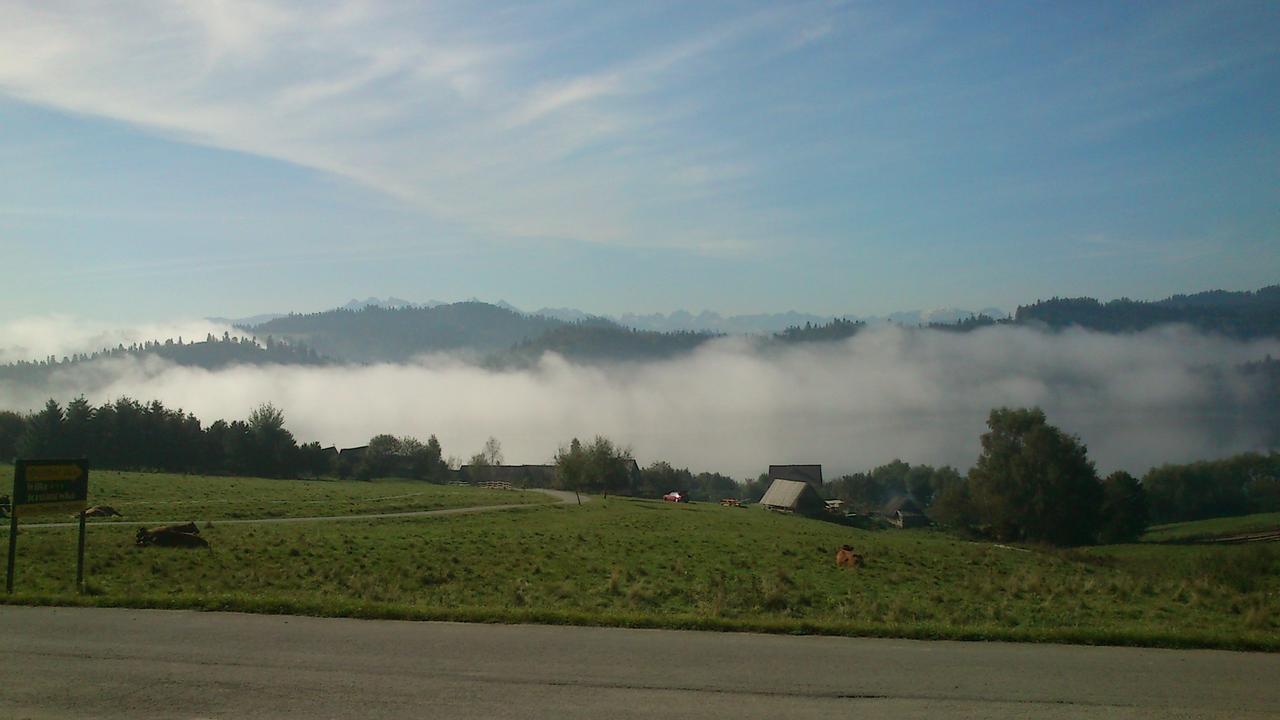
x=650, y=564
x=157, y=497
x=1213, y=527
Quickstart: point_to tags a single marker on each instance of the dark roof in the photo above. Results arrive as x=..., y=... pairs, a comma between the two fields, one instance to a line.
x=540, y=474
x=354, y=452
x=904, y=505
x=811, y=474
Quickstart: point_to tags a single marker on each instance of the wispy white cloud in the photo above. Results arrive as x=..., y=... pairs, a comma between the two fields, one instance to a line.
x=427, y=104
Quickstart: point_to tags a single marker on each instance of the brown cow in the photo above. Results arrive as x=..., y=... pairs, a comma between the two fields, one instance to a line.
x=846, y=557
x=187, y=535
x=100, y=511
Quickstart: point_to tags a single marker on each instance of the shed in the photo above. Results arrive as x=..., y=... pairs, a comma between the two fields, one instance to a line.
x=793, y=496
x=904, y=512
x=811, y=474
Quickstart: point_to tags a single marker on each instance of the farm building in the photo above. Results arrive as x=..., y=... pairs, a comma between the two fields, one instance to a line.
x=537, y=476
x=810, y=474
x=793, y=496
x=903, y=512
x=353, y=454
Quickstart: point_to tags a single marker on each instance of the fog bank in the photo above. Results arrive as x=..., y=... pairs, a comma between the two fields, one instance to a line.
x=36, y=338
x=1167, y=395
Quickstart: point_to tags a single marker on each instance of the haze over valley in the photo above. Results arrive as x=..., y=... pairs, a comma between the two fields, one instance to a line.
x=1141, y=383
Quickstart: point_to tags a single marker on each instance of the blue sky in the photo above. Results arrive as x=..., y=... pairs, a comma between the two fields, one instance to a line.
x=210, y=157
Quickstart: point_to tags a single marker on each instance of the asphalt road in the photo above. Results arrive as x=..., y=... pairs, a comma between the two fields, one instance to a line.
x=108, y=663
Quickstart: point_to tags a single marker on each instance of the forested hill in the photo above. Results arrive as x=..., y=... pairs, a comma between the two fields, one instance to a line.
x=1234, y=314
x=211, y=353
x=375, y=334
x=597, y=340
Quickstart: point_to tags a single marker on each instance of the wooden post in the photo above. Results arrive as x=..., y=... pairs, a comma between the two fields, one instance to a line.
x=80, y=558
x=13, y=545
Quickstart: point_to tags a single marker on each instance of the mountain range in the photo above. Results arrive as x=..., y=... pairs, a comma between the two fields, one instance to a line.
x=499, y=335
x=676, y=321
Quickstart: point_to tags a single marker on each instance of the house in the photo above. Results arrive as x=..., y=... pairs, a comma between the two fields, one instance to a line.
x=835, y=507
x=811, y=474
x=793, y=496
x=903, y=512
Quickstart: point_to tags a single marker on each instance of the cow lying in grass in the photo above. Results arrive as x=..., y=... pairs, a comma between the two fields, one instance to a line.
x=187, y=536
x=100, y=511
x=847, y=558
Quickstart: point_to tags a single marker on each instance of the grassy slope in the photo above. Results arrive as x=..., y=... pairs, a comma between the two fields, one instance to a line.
x=1213, y=527
x=626, y=562
x=156, y=497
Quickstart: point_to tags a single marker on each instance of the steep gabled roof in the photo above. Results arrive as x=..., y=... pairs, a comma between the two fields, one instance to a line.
x=903, y=504
x=811, y=474
x=792, y=495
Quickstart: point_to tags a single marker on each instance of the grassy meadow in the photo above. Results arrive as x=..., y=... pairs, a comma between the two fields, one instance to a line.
x=159, y=497
x=1213, y=527
x=650, y=564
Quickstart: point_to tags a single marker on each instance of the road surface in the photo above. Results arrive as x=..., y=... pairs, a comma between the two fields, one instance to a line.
x=111, y=663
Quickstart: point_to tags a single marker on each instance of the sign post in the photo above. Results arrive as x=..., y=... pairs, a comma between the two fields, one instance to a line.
x=48, y=486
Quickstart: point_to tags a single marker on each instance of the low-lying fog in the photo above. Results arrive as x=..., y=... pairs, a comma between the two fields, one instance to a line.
x=923, y=396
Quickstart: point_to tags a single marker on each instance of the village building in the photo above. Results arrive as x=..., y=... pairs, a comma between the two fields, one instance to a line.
x=519, y=476
x=793, y=496
x=353, y=455
x=904, y=512
x=810, y=474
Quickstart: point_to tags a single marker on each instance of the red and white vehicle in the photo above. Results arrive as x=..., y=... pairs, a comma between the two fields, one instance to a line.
x=674, y=497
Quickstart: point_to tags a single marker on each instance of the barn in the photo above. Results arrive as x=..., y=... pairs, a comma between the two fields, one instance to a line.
x=810, y=474
x=521, y=476
x=793, y=496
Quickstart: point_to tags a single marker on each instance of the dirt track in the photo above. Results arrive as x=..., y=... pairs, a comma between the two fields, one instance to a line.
x=565, y=497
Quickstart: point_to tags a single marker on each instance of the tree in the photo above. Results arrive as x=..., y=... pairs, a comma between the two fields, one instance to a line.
x=12, y=426
x=952, y=505
x=609, y=466
x=439, y=466
x=1034, y=482
x=1124, y=508
x=382, y=458
x=571, y=467
x=314, y=460
x=77, y=430
x=422, y=459
x=272, y=447
x=660, y=478
x=43, y=437
x=919, y=483
x=492, y=451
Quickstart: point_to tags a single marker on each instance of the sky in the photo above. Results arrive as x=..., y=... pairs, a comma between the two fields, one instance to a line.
x=224, y=158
